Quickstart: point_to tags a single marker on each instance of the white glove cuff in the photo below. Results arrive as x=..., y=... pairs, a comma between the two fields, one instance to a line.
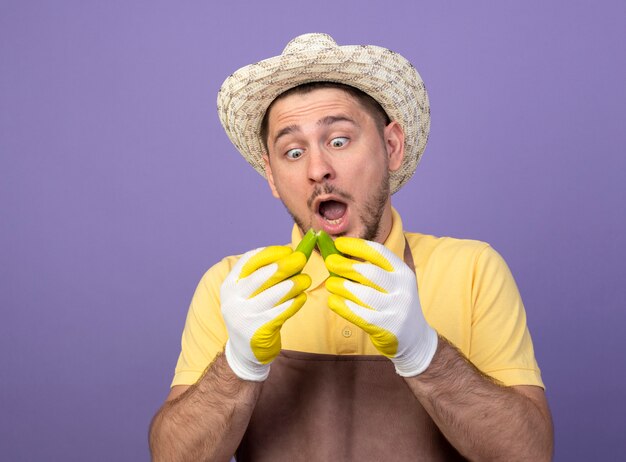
x=245, y=370
x=416, y=362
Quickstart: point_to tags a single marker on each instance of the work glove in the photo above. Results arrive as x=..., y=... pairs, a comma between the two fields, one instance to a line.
x=379, y=295
x=263, y=290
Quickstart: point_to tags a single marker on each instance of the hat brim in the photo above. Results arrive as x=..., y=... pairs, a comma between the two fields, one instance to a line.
x=384, y=75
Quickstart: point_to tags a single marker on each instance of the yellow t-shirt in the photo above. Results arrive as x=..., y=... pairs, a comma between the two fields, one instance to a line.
x=466, y=290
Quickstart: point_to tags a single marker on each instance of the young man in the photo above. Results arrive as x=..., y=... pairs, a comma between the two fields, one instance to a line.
x=363, y=365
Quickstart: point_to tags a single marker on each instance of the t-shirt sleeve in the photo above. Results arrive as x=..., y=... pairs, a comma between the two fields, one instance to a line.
x=205, y=334
x=500, y=343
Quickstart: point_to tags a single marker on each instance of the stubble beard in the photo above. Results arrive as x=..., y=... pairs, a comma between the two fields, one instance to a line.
x=370, y=214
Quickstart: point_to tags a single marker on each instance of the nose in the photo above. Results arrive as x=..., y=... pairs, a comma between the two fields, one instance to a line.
x=320, y=167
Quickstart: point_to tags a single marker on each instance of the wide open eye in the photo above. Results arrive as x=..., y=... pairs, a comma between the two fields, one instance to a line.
x=294, y=153
x=339, y=142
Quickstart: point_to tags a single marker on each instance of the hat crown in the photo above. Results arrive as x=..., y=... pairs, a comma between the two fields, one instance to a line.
x=309, y=42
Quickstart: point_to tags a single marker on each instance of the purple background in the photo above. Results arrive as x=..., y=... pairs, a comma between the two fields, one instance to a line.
x=119, y=189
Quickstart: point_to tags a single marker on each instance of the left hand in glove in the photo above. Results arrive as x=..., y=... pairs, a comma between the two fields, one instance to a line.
x=263, y=290
x=379, y=295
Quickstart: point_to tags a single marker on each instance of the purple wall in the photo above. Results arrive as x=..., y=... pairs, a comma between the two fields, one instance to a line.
x=119, y=189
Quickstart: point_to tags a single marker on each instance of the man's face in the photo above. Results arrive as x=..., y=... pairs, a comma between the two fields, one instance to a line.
x=329, y=163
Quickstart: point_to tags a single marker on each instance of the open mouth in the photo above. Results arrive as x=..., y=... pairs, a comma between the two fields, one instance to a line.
x=332, y=211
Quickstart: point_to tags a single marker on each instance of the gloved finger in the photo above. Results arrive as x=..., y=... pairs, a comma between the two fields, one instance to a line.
x=340, y=306
x=271, y=274
x=266, y=256
x=301, y=282
x=349, y=269
x=250, y=284
x=339, y=286
x=280, y=313
x=367, y=297
x=281, y=292
x=265, y=342
x=286, y=266
x=372, y=252
x=384, y=281
x=233, y=276
x=384, y=340
x=367, y=319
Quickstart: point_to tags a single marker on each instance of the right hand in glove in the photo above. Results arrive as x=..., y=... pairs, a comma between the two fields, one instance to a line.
x=263, y=290
x=377, y=291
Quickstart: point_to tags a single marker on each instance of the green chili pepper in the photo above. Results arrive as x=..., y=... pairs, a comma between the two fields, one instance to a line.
x=307, y=244
x=326, y=245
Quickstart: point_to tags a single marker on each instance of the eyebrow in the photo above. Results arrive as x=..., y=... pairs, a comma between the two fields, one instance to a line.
x=286, y=131
x=328, y=120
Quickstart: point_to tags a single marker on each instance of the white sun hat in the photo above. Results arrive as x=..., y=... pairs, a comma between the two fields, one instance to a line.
x=383, y=74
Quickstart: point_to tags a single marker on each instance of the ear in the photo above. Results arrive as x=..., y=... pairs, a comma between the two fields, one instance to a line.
x=270, y=177
x=394, y=143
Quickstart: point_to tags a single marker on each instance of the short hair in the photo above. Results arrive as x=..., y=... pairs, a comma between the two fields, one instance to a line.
x=368, y=103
